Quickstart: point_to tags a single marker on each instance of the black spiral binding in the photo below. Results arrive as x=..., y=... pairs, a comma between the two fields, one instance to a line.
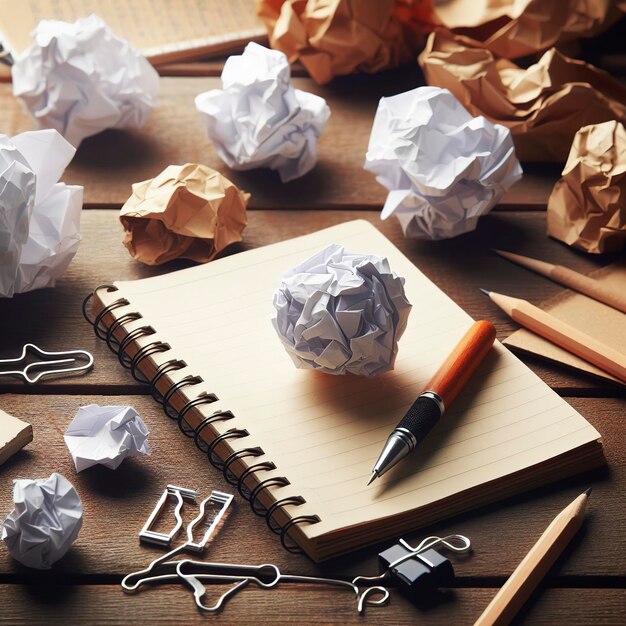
x=120, y=347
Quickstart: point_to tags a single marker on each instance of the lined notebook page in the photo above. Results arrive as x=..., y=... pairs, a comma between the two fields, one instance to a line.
x=325, y=432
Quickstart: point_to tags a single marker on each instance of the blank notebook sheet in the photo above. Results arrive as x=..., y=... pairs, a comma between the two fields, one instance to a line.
x=506, y=432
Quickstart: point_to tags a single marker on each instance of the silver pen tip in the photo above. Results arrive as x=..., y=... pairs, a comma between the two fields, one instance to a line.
x=372, y=477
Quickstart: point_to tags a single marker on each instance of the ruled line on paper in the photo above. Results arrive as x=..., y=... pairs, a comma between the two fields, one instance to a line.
x=444, y=478
x=369, y=460
x=351, y=450
x=391, y=421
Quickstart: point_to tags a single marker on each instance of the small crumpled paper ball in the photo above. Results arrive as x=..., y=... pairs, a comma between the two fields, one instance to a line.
x=39, y=217
x=341, y=312
x=105, y=435
x=343, y=36
x=587, y=207
x=443, y=167
x=188, y=211
x=80, y=78
x=259, y=120
x=45, y=521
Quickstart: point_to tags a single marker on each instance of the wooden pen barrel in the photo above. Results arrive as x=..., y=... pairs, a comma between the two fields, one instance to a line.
x=462, y=361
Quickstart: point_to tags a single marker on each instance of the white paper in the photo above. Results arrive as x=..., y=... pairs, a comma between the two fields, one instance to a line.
x=341, y=312
x=259, y=120
x=39, y=217
x=80, y=78
x=45, y=521
x=105, y=435
x=443, y=167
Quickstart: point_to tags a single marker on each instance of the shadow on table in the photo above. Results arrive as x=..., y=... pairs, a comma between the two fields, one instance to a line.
x=129, y=478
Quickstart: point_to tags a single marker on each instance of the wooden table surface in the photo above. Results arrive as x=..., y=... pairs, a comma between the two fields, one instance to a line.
x=587, y=584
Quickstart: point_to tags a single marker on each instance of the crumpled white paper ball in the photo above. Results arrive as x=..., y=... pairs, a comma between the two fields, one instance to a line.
x=341, y=312
x=443, y=167
x=80, y=78
x=39, y=217
x=105, y=435
x=45, y=522
x=259, y=120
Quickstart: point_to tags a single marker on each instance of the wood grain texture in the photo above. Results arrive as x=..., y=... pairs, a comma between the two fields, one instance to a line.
x=458, y=266
x=106, y=604
x=107, y=164
x=117, y=503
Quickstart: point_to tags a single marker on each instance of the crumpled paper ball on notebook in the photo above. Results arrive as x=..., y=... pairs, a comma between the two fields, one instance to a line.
x=343, y=36
x=45, y=521
x=517, y=28
x=443, y=167
x=259, y=120
x=105, y=435
x=80, y=78
x=341, y=312
x=587, y=207
x=39, y=217
x=543, y=106
x=188, y=211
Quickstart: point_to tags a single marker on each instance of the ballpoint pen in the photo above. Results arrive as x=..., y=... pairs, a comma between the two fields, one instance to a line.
x=445, y=385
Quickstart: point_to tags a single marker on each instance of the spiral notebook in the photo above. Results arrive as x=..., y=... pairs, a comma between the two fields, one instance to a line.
x=299, y=444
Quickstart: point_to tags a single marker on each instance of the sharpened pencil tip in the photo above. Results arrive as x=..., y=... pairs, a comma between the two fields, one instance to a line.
x=588, y=492
x=372, y=477
x=487, y=293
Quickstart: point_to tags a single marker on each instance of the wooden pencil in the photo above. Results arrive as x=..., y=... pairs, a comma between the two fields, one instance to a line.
x=535, y=565
x=569, y=278
x=562, y=334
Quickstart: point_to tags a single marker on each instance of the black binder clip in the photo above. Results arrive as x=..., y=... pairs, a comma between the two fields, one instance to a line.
x=419, y=572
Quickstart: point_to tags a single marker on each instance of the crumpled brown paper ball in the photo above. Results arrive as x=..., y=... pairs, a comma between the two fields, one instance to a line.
x=188, y=211
x=544, y=105
x=334, y=37
x=516, y=28
x=587, y=207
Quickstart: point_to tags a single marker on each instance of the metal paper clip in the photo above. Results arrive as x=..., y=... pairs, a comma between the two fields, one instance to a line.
x=147, y=535
x=133, y=581
x=368, y=590
x=46, y=360
x=265, y=576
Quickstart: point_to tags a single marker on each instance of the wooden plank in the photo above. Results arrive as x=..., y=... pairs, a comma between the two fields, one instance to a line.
x=109, y=163
x=116, y=503
x=459, y=266
x=99, y=604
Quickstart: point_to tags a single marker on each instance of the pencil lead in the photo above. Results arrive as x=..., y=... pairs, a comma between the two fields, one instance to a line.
x=588, y=492
x=372, y=477
x=487, y=293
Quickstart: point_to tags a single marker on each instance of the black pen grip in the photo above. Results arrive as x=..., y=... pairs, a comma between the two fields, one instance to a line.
x=421, y=417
